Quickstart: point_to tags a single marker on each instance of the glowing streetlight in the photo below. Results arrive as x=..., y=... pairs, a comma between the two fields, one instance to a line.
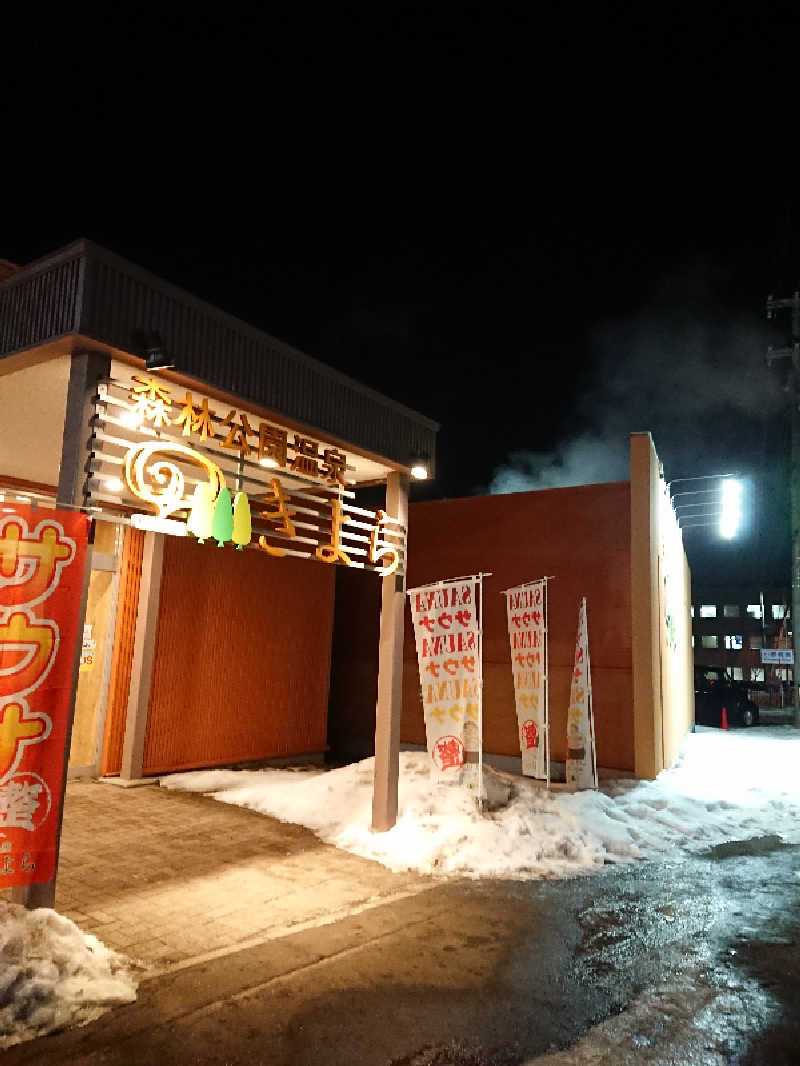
x=731, y=516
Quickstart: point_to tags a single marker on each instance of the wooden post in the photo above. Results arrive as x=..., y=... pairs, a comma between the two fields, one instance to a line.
x=144, y=646
x=86, y=370
x=390, y=675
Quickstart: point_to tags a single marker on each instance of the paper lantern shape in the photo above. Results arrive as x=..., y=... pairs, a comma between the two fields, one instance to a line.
x=222, y=523
x=201, y=513
x=242, y=526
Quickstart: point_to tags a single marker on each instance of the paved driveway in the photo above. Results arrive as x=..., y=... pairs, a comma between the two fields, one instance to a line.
x=171, y=878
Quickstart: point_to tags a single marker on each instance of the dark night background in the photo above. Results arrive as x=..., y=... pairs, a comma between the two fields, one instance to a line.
x=544, y=230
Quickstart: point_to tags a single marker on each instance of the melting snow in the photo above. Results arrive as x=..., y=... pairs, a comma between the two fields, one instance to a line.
x=52, y=975
x=723, y=786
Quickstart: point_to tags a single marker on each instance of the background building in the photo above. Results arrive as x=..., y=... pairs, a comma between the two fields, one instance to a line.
x=731, y=624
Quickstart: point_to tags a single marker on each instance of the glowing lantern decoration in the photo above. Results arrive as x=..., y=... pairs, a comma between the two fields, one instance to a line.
x=201, y=514
x=242, y=527
x=222, y=522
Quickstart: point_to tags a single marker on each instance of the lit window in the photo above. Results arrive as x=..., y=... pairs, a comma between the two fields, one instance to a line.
x=731, y=610
x=756, y=673
x=733, y=642
x=781, y=673
x=754, y=641
x=709, y=641
x=754, y=610
x=778, y=611
x=692, y=639
x=738, y=674
x=691, y=610
x=708, y=610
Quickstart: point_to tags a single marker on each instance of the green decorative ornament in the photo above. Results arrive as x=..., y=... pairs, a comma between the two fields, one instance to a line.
x=222, y=523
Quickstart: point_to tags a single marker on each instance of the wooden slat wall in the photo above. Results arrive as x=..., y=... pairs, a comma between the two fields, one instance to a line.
x=242, y=662
x=124, y=634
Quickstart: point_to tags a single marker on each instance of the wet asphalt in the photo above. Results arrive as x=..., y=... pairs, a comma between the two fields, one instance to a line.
x=695, y=961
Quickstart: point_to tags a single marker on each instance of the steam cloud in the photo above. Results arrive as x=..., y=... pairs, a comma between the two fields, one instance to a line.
x=696, y=379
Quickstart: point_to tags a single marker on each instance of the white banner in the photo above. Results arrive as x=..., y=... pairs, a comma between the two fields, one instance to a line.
x=527, y=633
x=782, y=656
x=581, y=759
x=447, y=634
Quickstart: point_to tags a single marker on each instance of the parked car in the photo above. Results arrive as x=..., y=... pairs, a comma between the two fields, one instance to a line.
x=714, y=688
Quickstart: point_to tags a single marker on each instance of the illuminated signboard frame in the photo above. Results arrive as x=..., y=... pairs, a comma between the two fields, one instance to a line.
x=228, y=476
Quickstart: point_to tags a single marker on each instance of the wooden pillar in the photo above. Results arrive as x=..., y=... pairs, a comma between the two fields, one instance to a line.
x=86, y=370
x=143, y=654
x=645, y=608
x=390, y=675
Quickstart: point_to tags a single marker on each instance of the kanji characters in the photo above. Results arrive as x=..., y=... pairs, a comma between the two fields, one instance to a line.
x=379, y=549
x=333, y=552
x=272, y=445
x=448, y=753
x=196, y=419
x=152, y=401
x=306, y=457
x=238, y=433
x=273, y=510
x=19, y=802
x=333, y=466
x=47, y=548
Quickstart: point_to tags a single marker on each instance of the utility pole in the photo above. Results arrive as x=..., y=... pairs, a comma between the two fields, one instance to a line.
x=792, y=303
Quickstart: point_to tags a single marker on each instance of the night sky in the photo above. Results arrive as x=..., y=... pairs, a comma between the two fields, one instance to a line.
x=543, y=235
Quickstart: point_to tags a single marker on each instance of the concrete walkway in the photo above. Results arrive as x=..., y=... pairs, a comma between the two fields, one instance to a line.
x=171, y=878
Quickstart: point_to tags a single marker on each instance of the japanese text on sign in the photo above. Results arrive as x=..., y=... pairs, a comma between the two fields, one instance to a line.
x=446, y=632
x=527, y=635
x=153, y=402
x=40, y=573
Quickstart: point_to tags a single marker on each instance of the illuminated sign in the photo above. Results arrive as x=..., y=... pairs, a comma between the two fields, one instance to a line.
x=152, y=404
x=235, y=480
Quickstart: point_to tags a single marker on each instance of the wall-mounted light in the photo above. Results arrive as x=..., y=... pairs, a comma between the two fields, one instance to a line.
x=113, y=484
x=271, y=463
x=420, y=467
x=148, y=345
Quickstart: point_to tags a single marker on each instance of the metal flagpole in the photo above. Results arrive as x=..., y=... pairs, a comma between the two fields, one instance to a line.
x=481, y=576
x=589, y=692
x=546, y=686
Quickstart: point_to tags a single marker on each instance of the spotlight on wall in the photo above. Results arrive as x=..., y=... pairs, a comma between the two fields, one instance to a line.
x=113, y=484
x=272, y=464
x=731, y=516
x=419, y=467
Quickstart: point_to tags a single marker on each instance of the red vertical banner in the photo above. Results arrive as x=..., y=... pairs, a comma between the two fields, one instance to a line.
x=42, y=559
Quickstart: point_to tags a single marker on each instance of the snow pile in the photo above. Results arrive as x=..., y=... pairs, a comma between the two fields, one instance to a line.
x=724, y=786
x=52, y=975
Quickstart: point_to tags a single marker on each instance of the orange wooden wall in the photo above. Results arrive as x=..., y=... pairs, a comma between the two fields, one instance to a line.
x=122, y=657
x=579, y=535
x=242, y=661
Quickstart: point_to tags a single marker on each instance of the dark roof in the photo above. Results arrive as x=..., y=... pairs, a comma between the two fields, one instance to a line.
x=85, y=289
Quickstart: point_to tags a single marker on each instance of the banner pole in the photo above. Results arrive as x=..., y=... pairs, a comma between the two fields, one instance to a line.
x=480, y=692
x=546, y=683
x=589, y=688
